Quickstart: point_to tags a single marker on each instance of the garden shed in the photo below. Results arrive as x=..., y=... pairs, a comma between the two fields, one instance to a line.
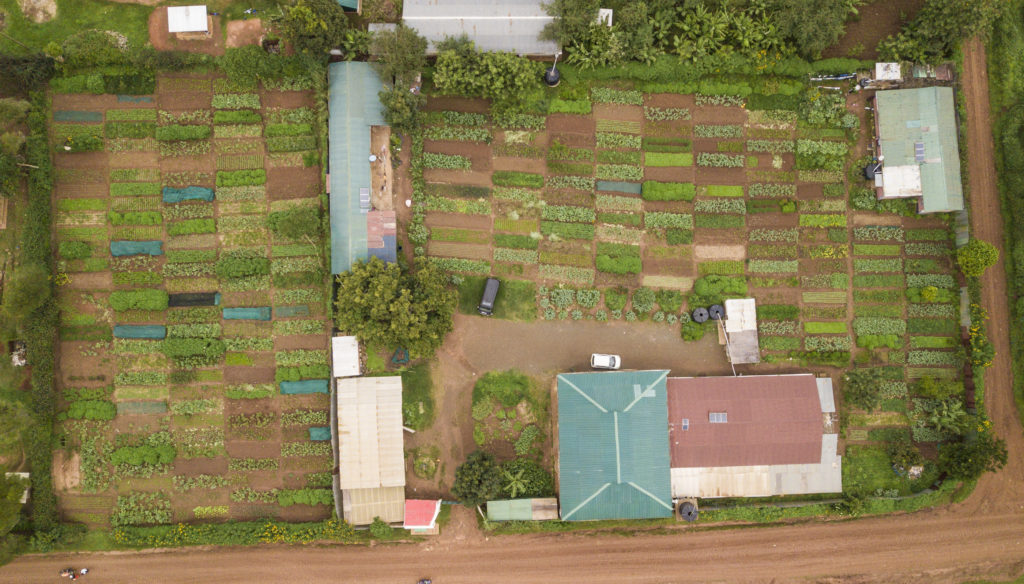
x=916, y=133
x=353, y=109
x=421, y=516
x=186, y=19
x=739, y=331
x=371, y=462
x=543, y=509
x=344, y=357
x=752, y=436
x=613, y=451
x=492, y=25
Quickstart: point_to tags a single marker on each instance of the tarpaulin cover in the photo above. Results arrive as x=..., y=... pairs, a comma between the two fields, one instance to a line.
x=319, y=433
x=194, y=299
x=135, y=98
x=77, y=116
x=173, y=195
x=297, y=310
x=254, y=313
x=620, y=187
x=140, y=331
x=304, y=386
x=127, y=248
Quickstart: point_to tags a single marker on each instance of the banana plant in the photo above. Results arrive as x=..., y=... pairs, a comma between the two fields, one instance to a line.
x=515, y=485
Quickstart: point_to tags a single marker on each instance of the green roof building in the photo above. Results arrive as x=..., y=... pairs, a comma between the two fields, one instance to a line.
x=613, y=459
x=917, y=138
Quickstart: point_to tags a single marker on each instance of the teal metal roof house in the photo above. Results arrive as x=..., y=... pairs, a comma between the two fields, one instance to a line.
x=917, y=141
x=613, y=459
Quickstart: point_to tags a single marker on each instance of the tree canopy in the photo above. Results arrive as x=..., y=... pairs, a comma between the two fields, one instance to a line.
x=862, y=388
x=401, y=52
x=974, y=456
x=502, y=77
x=380, y=303
x=26, y=290
x=11, y=490
x=314, y=26
x=812, y=25
x=478, y=480
x=976, y=257
x=939, y=27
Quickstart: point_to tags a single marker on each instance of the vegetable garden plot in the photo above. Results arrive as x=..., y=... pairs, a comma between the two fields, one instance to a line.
x=168, y=346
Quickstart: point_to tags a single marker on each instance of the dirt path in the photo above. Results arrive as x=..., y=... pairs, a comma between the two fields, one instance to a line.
x=935, y=548
x=1006, y=489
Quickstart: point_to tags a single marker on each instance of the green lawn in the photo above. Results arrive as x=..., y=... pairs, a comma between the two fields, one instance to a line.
x=516, y=298
x=417, y=398
x=867, y=468
x=73, y=16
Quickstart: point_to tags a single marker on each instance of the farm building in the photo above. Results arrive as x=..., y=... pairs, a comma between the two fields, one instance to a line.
x=421, y=516
x=358, y=230
x=632, y=442
x=752, y=436
x=493, y=25
x=371, y=462
x=613, y=460
x=916, y=135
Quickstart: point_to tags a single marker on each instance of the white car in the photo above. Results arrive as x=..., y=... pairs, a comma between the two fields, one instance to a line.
x=601, y=361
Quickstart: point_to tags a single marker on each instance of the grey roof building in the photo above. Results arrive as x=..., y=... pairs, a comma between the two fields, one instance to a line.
x=493, y=25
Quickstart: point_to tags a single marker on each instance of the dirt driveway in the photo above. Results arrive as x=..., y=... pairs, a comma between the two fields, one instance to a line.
x=540, y=349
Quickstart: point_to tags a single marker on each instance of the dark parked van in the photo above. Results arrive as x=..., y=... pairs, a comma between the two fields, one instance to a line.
x=486, y=306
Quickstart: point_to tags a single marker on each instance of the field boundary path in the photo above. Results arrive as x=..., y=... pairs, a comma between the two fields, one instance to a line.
x=982, y=537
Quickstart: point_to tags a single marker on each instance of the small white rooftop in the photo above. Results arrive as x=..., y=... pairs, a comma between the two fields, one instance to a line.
x=740, y=315
x=901, y=181
x=187, y=19
x=345, y=356
x=887, y=72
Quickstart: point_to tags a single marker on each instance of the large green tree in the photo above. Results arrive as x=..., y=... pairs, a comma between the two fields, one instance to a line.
x=402, y=53
x=314, y=26
x=504, y=78
x=976, y=257
x=939, y=27
x=11, y=490
x=974, y=456
x=26, y=290
x=380, y=303
x=478, y=480
x=813, y=25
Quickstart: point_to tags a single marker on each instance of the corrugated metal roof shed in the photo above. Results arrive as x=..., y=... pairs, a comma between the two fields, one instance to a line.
x=370, y=432
x=360, y=506
x=917, y=127
x=353, y=107
x=493, y=25
x=613, y=446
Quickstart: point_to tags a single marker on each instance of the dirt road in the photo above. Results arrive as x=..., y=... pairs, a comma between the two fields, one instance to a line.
x=982, y=537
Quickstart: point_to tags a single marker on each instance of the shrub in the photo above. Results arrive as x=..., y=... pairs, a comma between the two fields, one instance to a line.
x=712, y=289
x=92, y=410
x=241, y=264
x=643, y=300
x=237, y=178
x=144, y=299
x=976, y=257
x=296, y=223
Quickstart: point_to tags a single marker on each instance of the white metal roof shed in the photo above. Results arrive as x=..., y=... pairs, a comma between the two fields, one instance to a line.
x=345, y=356
x=187, y=19
x=493, y=25
x=370, y=432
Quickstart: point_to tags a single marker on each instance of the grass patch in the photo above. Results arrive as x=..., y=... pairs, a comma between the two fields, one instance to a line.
x=516, y=299
x=74, y=16
x=417, y=397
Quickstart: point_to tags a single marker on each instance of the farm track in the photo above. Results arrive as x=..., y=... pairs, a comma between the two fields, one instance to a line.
x=983, y=536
